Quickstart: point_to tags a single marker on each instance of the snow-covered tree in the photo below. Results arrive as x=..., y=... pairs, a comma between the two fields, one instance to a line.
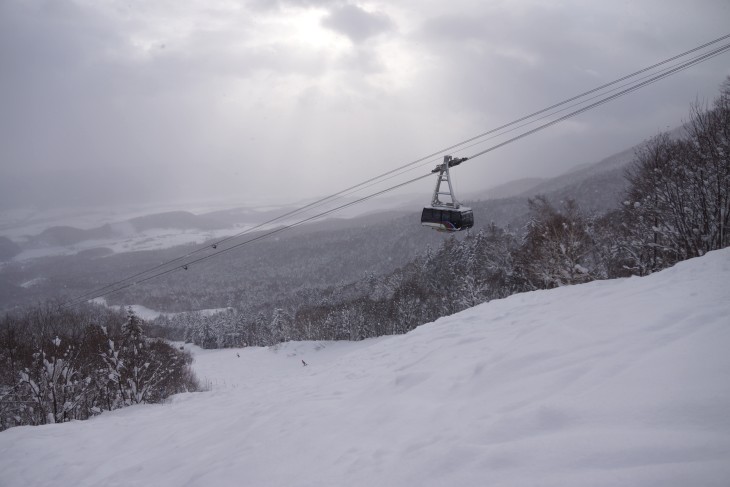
x=281, y=327
x=557, y=248
x=678, y=202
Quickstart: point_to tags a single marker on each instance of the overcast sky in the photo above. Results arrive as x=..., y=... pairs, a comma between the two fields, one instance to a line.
x=120, y=102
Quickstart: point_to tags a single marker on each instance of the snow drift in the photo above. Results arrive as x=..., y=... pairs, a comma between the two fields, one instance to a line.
x=612, y=383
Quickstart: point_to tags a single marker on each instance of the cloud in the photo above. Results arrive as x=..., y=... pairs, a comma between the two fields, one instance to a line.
x=268, y=5
x=356, y=23
x=169, y=98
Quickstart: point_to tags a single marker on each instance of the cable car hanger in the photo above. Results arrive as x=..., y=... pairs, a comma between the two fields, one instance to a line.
x=449, y=216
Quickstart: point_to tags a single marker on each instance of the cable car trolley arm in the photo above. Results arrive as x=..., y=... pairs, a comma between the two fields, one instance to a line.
x=451, y=161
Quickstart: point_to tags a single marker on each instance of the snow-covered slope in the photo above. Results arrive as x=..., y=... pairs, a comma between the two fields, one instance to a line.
x=613, y=383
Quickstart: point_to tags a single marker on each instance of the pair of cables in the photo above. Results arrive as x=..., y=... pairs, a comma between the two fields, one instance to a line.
x=574, y=105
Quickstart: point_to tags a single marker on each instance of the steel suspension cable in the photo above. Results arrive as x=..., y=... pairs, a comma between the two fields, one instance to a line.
x=249, y=241
x=98, y=292
x=651, y=80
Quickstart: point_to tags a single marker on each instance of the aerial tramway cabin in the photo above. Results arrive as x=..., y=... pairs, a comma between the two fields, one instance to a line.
x=446, y=216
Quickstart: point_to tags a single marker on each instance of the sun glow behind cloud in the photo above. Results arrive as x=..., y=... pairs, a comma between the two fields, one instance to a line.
x=303, y=27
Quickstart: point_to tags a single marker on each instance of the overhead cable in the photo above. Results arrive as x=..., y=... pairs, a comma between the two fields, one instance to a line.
x=649, y=79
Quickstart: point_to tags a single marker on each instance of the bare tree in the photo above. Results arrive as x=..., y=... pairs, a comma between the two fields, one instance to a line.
x=678, y=201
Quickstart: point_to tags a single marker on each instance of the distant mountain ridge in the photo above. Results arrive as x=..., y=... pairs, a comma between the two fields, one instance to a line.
x=507, y=190
x=611, y=165
x=175, y=220
x=8, y=249
x=596, y=186
x=68, y=235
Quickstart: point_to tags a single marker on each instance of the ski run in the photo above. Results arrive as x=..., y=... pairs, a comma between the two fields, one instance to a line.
x=611, y=383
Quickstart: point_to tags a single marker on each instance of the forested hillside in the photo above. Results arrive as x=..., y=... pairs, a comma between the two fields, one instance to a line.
x=676, y=206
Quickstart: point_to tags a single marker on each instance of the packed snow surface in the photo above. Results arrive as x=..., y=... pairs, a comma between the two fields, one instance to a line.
x=612, y=383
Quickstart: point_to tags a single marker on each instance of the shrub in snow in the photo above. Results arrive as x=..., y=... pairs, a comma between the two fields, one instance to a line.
x=81, y=372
